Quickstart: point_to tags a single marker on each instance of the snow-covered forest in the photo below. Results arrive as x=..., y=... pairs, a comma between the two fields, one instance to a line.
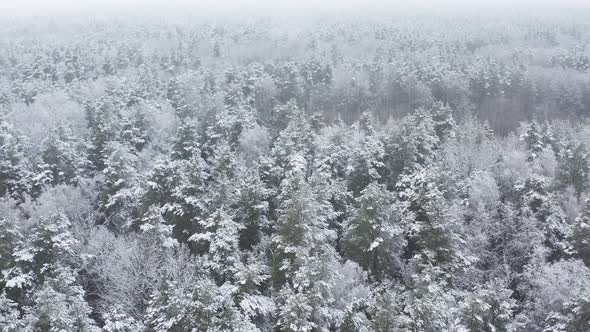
x=295, y=174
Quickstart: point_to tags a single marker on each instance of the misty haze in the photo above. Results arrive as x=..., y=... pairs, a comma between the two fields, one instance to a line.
x=294, y=166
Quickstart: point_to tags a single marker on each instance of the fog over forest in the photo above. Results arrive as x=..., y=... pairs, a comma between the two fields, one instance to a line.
x=294, y=166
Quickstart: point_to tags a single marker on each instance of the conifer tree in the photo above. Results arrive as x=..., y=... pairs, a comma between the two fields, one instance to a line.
x=120, y=180
x=62, y=155
x=304, y=254
x=430, y=236
x=117, y=320
x=10, y=316
x=13, y=170
x=366, y=162
x=59, y=305
x=186, y=144
x=134, y=129
x=374, y=233
x=10, y=239
x=102, y=131
x=581, y=233
x=533, y=139
x=573, y=167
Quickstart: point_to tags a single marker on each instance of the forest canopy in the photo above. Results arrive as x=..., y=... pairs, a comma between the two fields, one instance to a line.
x=375, y=173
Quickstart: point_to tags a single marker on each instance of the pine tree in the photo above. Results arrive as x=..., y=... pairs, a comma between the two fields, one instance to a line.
x=117, y=320
x=385, y=311
x=179, y=185
x=304, y=255
x=49, y=246
x=335, y=148
x=102, y=131
x=291, y=133
x=296, y=312
x=59, y=305
x=134, y=129
x=13, y=170
x=254, y=286
x=444, y=123
x=352, y=298
x=42, y=179
x=537, y=200
x=221, y=235
x=187, y=204
x=573, y=167
x=424, y=304
x=186, y=144
x=489, y=307
x=581, y=233
x=236, y=115
x=177, y=96
x=430, y=236
x=162, y=183
x=410, y=147
x=289, y=82
x=574, y=316
x=10, y=320
x=366, y=161
x=120, y=183
x=533, y=139
x=62, y=155
x=302, y=221
x=188, y=300
x=282, y=116
x=155, y=232
x=252, y=208
x=374, y=233
x=10, y=239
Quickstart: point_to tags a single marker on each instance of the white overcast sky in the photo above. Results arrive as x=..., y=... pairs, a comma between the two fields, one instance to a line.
x=69, y=7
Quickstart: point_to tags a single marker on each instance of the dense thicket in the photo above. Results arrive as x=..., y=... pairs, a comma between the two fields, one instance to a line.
x=288, y=175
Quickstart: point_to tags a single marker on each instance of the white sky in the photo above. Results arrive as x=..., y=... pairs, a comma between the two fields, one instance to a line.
x=69, y=7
